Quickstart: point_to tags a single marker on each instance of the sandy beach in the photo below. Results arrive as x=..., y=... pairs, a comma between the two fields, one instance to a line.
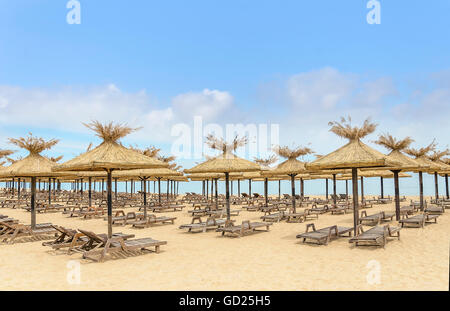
x=262, y=261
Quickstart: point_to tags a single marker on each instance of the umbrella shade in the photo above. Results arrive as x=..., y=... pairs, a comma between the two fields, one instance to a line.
x=110, y=155
x=226, y=163
x=355, y=154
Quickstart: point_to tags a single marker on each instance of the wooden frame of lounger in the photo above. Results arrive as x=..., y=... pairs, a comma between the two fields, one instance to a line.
x=203, y=226
x=323, y=236
x=151, y=220
x=14, y=231
x=244, y=228
x=376, y=236
x=418, y=220
x=118, y=244
x=375, y=219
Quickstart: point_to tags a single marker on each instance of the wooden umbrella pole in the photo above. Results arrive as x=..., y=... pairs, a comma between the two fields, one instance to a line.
x=446, y=186
x=227, y=194
x=279, y=189
x=33, y=203
x=145, y=197
x=362, y=189
x=421, y=190
x=382, y=187
x=18, y=189
x=217, y=194
x=302, y=190
x=346, y=189
x=266, y=191
x=326, y=188
x=250, y=188
x=115, y=189
x=207, y=189
x=90, y=192
x=293, y=192
x=159, y=190
x=355, y=200
x=239, y=188
x=167, y=195
x=49, y=191
x=334, y=190
x=397, y=195
x=109, y=201
x=436, y=186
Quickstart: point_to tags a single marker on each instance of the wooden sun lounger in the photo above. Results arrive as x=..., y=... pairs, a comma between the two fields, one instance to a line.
x=118, y=245
x=418, y=221
x=323, y=236
x=273, y=217
x=245, y=227
x=222, y=213
x=434, y=210
x=198, y=225
x=151, y=220
x=375, y=219
x=13, y=231
x=319, y=209
x=376, y=236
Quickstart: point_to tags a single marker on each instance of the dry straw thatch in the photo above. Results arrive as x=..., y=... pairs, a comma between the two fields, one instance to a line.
x=34, y=164
x=355, y=154
x=422, y=156
x=227, y=162
x=396, y=147
x=110, y=154
x=291, y=166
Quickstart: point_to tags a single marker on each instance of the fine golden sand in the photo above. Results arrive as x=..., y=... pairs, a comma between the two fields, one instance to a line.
x=262, y=261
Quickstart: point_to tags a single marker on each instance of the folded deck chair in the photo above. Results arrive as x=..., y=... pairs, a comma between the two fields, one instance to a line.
x=323, y=236
x=418, y=221
x=376, y=236
x=13, y=231
x=120, y=245
x=244, y=228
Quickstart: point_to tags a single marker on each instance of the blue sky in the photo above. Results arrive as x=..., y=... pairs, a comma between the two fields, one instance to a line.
x=296, y=63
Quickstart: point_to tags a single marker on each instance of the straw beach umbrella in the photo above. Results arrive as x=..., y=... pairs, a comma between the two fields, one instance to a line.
x=32, y=166
x=421, y=157
x=265, y=165
x=352, y=156
x=225, y=163
x=436, y=157
x=110, y=156
x=291, y=167
x=405, y=162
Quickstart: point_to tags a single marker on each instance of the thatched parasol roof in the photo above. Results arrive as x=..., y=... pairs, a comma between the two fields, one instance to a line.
x=34, y=165
x=396, y=147
x=355, y=154
x=110, y=154
x=291, y=166
x=421, y=156
x=227, y=162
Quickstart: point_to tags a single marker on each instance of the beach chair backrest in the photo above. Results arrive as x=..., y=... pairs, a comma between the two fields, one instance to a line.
x=210, y=221
x=92, y=236
x=245, y=224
